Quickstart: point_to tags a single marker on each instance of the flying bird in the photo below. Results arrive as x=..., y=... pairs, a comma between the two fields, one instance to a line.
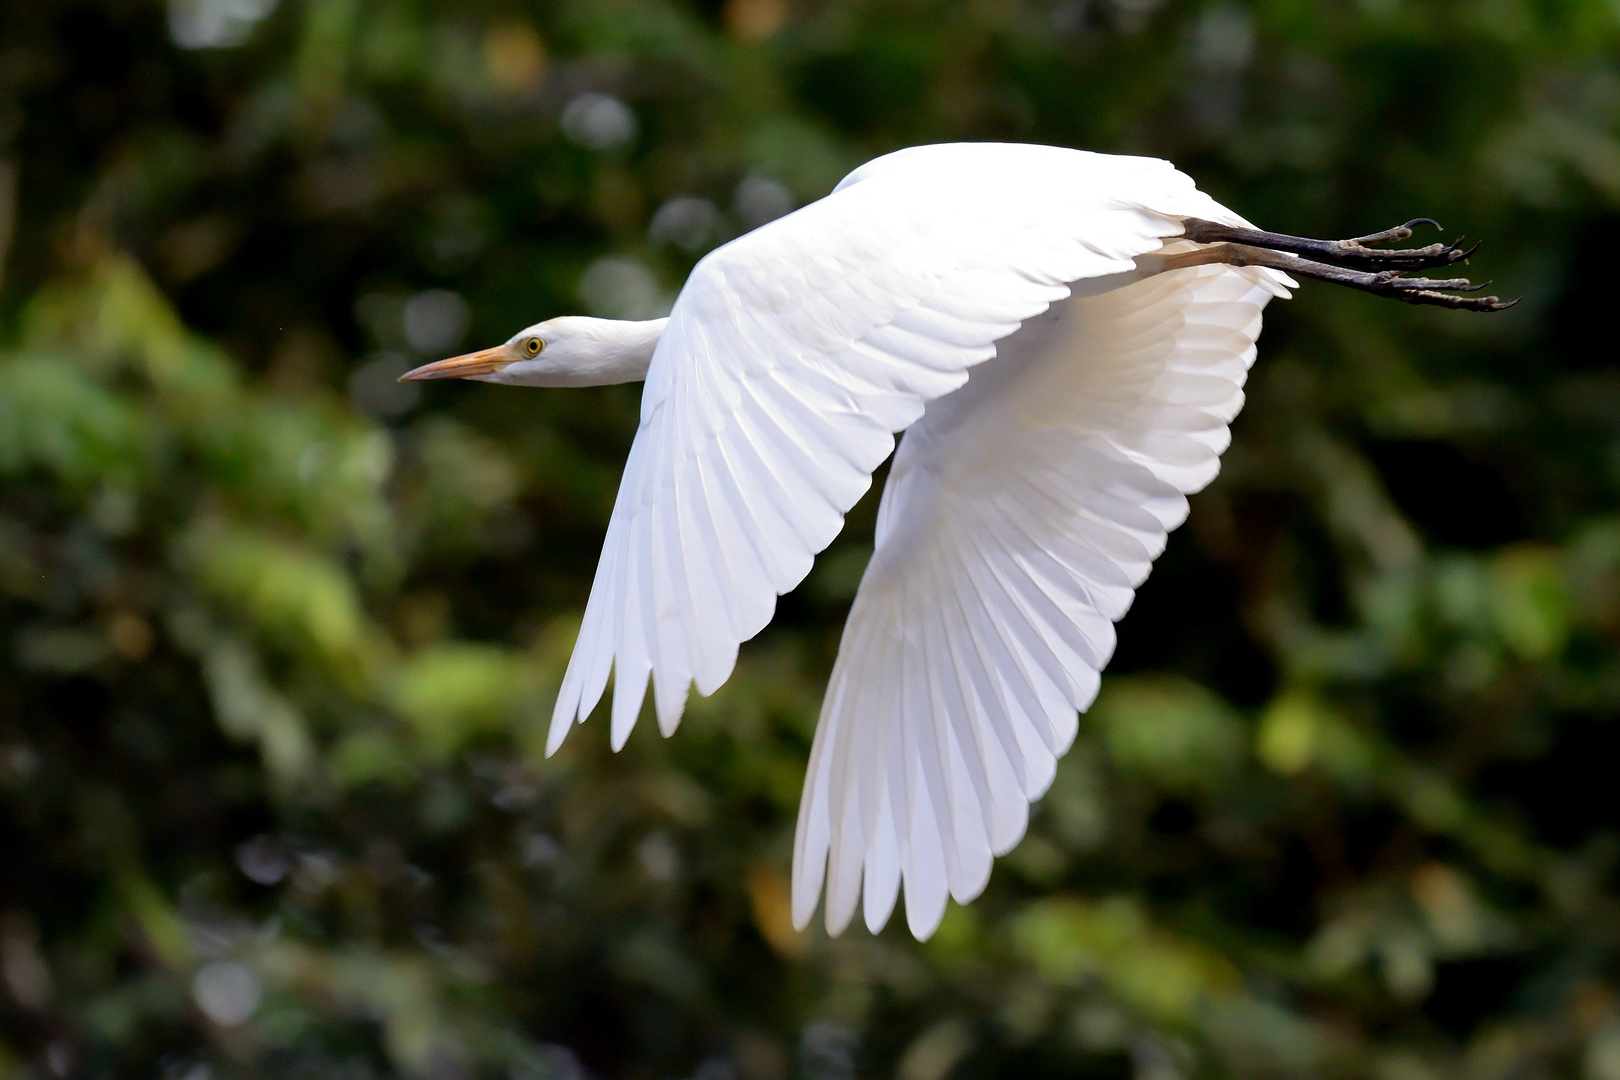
x=1063, y=337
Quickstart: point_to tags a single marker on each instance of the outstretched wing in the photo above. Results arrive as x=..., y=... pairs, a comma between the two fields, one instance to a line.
x=792, y=356
x=1021, y=514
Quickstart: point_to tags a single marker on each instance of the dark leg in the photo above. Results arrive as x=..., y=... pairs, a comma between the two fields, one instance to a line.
x=1387, y=283
x=1358, y=254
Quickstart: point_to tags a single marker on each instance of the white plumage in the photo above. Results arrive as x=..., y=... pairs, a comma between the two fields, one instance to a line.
x=1063, y=393
x=1021, y=513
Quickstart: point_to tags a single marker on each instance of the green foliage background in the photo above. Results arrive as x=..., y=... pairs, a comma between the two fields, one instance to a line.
x=278, y=638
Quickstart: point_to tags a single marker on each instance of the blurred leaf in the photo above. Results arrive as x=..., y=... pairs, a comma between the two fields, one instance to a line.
x=1068, y=939
x=155, y=918
x=456, y=692
x=248, y=709
x=372, y=755
x=1460, y=923
x=771, y=900
x=1530, y=601
x=1170, y=729
x=286, y=590
x=1297, y=730
x=52, y=417
x=936, y=1052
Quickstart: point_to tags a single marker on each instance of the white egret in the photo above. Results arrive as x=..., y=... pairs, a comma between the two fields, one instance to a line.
x=1063, y=337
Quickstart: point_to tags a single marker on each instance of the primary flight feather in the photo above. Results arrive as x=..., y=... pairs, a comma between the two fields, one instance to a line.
x=1064, y=338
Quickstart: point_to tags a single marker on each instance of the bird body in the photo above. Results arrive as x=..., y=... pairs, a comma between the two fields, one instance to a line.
x=1064, y=364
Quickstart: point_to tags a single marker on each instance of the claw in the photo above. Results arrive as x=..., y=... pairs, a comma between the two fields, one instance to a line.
x=1456, y=253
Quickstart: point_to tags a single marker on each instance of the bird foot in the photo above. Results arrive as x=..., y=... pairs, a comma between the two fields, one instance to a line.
x=1354, y=263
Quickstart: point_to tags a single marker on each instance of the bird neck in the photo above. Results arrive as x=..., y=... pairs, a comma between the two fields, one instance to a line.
x=598, y=352
x=629, y=347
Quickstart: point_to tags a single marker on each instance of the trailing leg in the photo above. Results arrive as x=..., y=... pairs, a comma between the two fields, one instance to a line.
x=1358, y=253
x=1384, y=280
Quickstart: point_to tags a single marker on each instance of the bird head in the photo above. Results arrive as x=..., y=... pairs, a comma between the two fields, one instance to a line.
x=568, y=351
x=524, y=353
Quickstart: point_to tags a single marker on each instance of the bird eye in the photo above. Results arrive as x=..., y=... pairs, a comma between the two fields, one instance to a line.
x=533, y=346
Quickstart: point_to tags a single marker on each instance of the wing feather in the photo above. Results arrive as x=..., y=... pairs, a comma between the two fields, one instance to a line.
x=1021, y=513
